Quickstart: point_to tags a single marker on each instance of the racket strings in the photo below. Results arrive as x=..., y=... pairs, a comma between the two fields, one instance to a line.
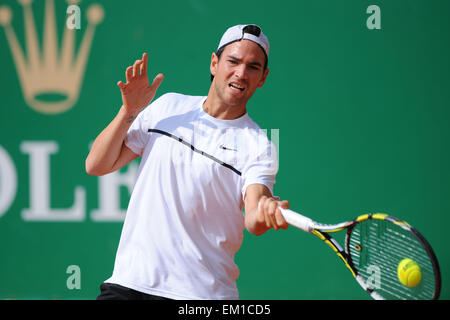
x=379, y=257
x=390, y=283
x=379, y=245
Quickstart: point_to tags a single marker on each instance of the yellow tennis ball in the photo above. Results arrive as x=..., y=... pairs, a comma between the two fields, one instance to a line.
x=409, y=273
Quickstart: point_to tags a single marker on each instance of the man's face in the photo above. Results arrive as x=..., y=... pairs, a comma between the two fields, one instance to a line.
x=239, y=72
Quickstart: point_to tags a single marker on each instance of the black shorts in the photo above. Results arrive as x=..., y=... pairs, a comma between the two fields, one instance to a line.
x=111, y=291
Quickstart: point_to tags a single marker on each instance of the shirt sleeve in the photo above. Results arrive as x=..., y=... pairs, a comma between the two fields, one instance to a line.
x=137, y=135
x=262, y=169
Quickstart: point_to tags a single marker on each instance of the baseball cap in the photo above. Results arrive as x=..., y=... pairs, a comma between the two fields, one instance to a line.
x=245, y=31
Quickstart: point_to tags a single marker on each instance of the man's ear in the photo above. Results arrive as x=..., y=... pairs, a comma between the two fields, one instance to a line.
x=263, y=79
x=214, y=62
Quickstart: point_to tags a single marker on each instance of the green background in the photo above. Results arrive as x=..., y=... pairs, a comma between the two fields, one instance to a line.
x=363, y=118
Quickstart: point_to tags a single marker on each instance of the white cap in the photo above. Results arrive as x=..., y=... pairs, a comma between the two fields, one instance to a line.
x=245, y=31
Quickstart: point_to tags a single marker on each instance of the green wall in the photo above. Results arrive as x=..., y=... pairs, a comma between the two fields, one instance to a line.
x=362, y=116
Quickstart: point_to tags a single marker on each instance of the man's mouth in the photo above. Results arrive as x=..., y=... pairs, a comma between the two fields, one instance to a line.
x=236, y=86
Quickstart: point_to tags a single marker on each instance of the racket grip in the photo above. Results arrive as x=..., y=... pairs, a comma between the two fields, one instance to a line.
x=297, y=220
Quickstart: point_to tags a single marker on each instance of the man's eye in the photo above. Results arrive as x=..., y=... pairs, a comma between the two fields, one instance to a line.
x=232, y=61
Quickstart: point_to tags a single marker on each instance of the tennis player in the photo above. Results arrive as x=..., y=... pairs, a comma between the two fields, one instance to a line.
x=203, y=160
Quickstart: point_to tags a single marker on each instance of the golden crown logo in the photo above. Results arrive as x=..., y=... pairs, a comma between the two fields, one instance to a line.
x=49, y=72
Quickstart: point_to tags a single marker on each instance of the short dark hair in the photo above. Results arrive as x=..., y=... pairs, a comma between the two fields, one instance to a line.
x=220, y=51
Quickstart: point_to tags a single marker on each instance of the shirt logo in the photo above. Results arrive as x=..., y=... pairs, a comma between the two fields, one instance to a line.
x=226, y=148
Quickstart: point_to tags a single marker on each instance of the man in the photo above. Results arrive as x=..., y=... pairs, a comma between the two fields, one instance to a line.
x=203, y=161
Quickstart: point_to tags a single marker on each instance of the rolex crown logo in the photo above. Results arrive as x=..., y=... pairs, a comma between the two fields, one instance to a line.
x=50, y=78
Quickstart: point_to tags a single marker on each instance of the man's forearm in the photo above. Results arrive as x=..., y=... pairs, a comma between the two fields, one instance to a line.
x=106, y=149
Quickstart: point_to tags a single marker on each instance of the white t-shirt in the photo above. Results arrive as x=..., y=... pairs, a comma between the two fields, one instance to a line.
x=184, y=222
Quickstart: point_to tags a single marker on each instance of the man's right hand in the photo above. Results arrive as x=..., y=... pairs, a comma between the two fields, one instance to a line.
x=136, y=93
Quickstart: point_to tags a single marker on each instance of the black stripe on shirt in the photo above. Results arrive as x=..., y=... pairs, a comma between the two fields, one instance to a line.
x=226, y=165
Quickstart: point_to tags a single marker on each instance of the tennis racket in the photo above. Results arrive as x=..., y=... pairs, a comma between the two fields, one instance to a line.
x=375, y=244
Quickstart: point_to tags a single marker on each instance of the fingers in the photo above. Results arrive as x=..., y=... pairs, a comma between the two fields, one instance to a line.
x=270, y=213
x=151, y=91
x=138, y=71
x=284, y=204
x=137, y=68
x=279, y=216
x=129, y=74
x=144, y=64
x=281, y=222
x=122, y=86
x=157, y=82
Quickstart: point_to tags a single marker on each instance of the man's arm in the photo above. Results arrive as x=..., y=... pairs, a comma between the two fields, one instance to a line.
x=261, y=210
x=108, y=152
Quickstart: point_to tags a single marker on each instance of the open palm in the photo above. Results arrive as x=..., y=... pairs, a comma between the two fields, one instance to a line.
x=136, y=92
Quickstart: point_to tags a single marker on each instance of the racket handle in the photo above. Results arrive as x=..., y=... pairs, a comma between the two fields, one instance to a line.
x=297, y=220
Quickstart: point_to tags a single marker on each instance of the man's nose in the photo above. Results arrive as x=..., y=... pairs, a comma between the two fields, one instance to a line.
x=241, y=71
